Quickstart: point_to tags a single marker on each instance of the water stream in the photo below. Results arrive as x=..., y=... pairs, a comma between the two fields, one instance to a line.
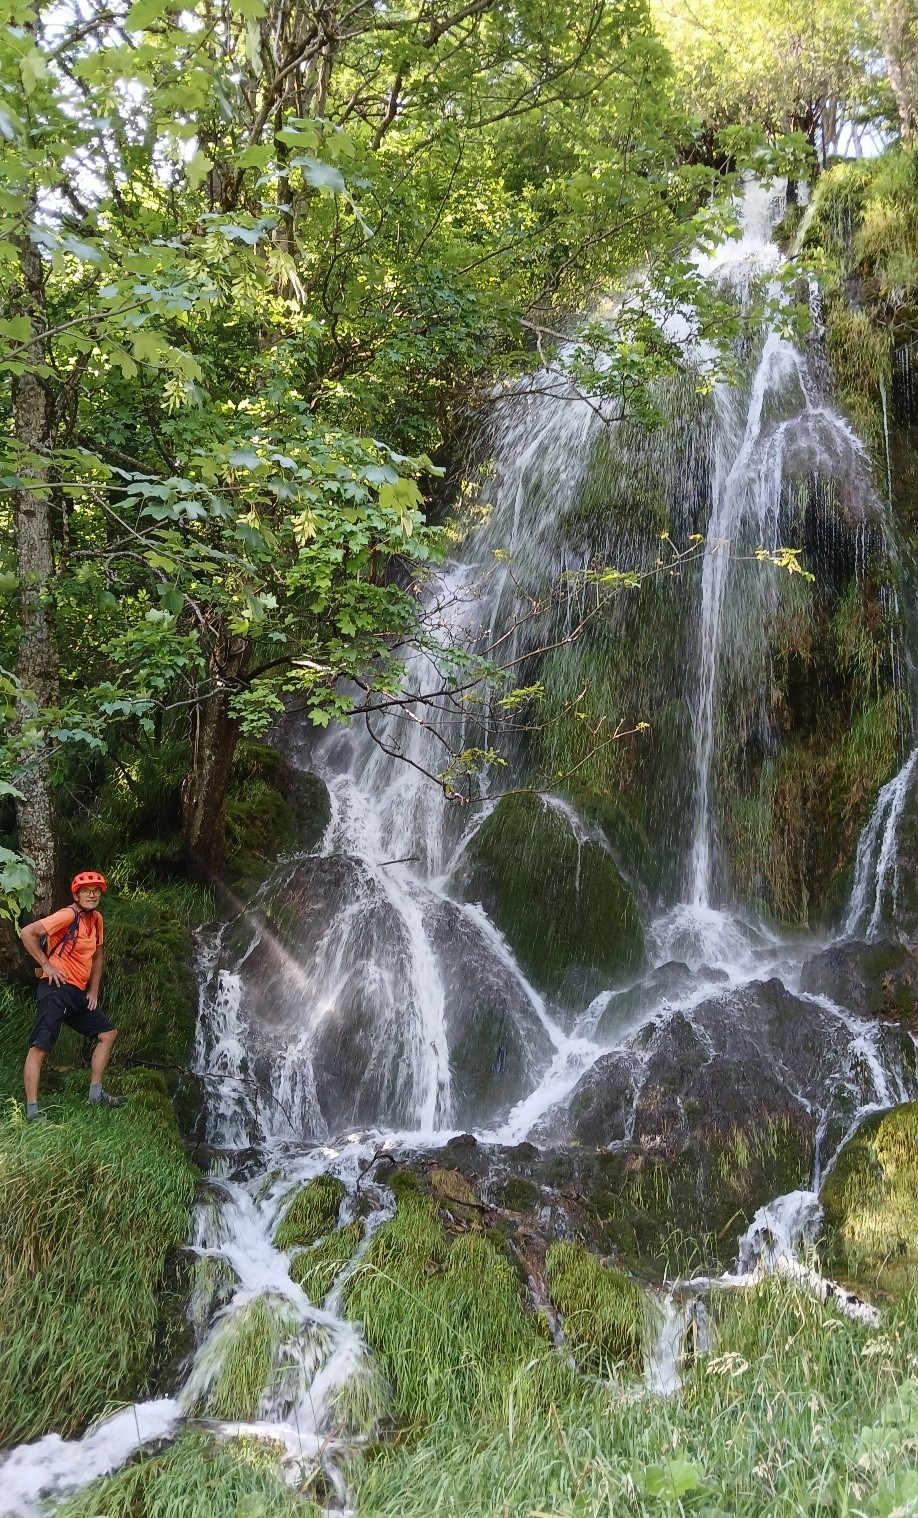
x=395, y=962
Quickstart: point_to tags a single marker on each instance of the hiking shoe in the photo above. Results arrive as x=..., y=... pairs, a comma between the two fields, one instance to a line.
x=105, y=1100
x=36, y=1117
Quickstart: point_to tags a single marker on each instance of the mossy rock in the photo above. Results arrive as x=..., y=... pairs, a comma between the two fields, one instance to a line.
x=317, y=1269
x=519, y=1195
x=271, y=807
x=563, y=906
x=870, y=1201
x=312, y=1212
x=605, y=1314
x=452, y=1186
x=871, y=979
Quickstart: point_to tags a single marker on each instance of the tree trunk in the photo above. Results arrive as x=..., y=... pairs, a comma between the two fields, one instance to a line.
x=206, y=784
x=897, y=21
x=37, y=664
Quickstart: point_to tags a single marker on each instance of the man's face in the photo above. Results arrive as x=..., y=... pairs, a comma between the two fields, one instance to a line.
x=88, y=898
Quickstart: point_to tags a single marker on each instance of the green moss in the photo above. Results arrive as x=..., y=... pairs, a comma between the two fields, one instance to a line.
x=605, y=1314
x=94, y=1204
x=447, y=1321
x=862, y=226
x=870, y=1198
x=402, y=1182
x=271, y=807
x=312, y=1212
x=519, y=1195
x=240, y=1480
x=244, y=1350
x=317, y=1269
x=562, y=905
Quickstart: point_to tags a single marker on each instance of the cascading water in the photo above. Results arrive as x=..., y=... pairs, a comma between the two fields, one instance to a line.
x=396, y=1012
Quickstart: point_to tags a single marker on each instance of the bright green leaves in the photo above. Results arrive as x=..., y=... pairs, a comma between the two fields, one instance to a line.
x=143, y=13
x=32, y=69
x=197, y=168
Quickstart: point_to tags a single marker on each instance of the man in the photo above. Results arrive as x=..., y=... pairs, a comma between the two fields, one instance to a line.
x=68, y=948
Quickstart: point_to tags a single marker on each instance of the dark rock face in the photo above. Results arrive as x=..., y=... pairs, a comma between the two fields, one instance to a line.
x=327, y=970
x=667, y=984
x=561, y=903
x=870, y=979
x=497, y=1044
x=756, y=1061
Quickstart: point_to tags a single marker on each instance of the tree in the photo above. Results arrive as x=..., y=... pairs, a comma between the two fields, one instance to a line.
x=897, y=26
x=783, y=68
x=240, y=248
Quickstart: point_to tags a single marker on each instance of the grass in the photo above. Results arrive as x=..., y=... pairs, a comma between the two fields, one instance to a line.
x=447, y=1319
x=605, y=1314
x=316, y=1269
x=93, y=1204
x=871, y=1200
x=196, y=1476
x=311, y=1213
x=796, y=1410
x=241, y=1357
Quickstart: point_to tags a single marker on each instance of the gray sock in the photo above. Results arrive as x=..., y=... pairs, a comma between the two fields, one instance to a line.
x=31, y=1109
x=95, y=1091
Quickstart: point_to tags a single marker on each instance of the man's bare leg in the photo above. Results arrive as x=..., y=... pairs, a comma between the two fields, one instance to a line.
x=31, y=1073
x=101, y=1055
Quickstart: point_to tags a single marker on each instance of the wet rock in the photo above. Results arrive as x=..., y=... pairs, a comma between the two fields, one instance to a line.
x=870, y=979
x=561, y=903
x=662, y=988
x=497, y=1044
x=906, y=869
x=328, y=969
x=742, y=1059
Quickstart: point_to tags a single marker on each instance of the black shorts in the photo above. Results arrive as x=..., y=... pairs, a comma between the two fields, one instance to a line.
x=64, y=1004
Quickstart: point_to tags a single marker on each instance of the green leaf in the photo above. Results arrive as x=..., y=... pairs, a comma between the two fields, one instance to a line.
x=144, y=12
x=322, y=176
x=33, y=67
x=675, y=1478
x=171, y=599
x=198, y=167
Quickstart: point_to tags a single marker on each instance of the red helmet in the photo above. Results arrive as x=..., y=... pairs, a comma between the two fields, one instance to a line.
x=87, y=878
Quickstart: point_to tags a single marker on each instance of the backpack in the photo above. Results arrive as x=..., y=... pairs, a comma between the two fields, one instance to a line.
x=66, y=938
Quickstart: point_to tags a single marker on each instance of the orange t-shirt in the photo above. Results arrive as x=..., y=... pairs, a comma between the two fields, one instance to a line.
x=73, y=960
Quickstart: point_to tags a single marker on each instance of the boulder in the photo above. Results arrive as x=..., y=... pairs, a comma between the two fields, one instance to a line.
x=750, y=1060
x=870, y=979
x=664, y=987
x=560, y=900
x=333, y=970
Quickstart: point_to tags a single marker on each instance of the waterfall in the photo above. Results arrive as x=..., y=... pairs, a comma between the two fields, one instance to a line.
x=756, y=436
x=876, y=875
x=367, y=1039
